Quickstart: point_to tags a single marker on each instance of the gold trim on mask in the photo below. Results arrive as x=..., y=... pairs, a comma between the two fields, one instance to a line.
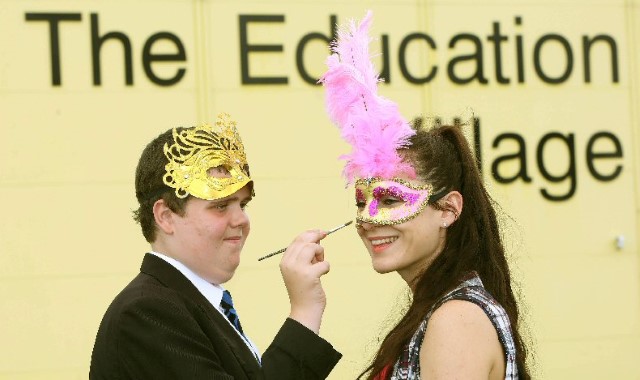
x=197, y=150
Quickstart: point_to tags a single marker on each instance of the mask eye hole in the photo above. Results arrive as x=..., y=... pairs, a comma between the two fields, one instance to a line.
x=390, y=202
x=361, y=200
x=219, y=172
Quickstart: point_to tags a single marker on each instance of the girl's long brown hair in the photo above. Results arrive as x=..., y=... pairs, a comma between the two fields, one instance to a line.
x=442, y=157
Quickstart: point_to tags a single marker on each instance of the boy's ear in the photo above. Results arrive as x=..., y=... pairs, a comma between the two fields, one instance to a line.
x=163, y=216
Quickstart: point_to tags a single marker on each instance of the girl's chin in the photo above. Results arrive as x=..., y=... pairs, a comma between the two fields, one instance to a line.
x=380, y=267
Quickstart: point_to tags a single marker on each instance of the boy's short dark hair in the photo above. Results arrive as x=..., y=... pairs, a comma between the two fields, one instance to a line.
x=150, y=186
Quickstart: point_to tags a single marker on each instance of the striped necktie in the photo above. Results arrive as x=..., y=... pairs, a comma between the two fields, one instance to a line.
x=227, y=307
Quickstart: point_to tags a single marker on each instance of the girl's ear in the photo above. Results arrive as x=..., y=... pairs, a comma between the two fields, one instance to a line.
x=453, y=208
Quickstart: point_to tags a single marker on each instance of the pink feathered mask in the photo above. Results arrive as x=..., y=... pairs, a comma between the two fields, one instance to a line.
x=370, y=123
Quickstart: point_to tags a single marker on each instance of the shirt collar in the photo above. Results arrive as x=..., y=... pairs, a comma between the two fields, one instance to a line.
x=212, y=292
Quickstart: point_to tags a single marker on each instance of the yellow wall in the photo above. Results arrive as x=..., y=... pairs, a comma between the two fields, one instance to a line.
x=68, y=152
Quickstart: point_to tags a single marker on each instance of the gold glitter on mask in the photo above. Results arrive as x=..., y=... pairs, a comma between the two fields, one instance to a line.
x=195, y=151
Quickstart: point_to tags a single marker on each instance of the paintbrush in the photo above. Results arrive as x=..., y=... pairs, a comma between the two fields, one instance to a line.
x=284, y=249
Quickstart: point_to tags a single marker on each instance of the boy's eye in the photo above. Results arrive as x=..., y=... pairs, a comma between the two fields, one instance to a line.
x=360, y=204
x=220, y=206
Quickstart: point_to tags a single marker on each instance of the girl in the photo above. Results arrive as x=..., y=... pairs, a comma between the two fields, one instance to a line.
x=423, y=212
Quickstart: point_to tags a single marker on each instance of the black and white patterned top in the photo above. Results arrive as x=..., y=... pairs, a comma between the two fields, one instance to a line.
x=408, y=365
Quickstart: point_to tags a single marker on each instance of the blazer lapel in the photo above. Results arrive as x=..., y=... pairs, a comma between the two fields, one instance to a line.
x=174, y=279
x=240, y=350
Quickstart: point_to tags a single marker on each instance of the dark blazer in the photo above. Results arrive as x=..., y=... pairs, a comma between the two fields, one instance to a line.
x=161, y=327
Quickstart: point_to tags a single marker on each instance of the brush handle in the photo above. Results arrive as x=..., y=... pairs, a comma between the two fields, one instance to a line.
x=285, y=248
x=272, y=254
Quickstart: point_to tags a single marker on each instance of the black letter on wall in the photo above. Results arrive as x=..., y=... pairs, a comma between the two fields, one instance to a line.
x=571, y=170
x=148, y=58
x=520, y=156
x=54, y=40
x=591, y=156
x=333, y=20
x=402, y=62
x=96, y=45
x=538, y=66
x=245, y=49
x=477, y=56
x=586, y=47
x=497, y=39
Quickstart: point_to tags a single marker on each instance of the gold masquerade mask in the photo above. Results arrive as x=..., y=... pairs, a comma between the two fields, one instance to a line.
x=387, y=202
x=196, y=151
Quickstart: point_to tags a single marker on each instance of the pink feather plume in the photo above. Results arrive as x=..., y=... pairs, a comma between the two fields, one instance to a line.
x=370, y=123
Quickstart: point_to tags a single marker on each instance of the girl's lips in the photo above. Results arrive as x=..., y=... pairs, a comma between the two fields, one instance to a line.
x=381, y=247
x=379, y=244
